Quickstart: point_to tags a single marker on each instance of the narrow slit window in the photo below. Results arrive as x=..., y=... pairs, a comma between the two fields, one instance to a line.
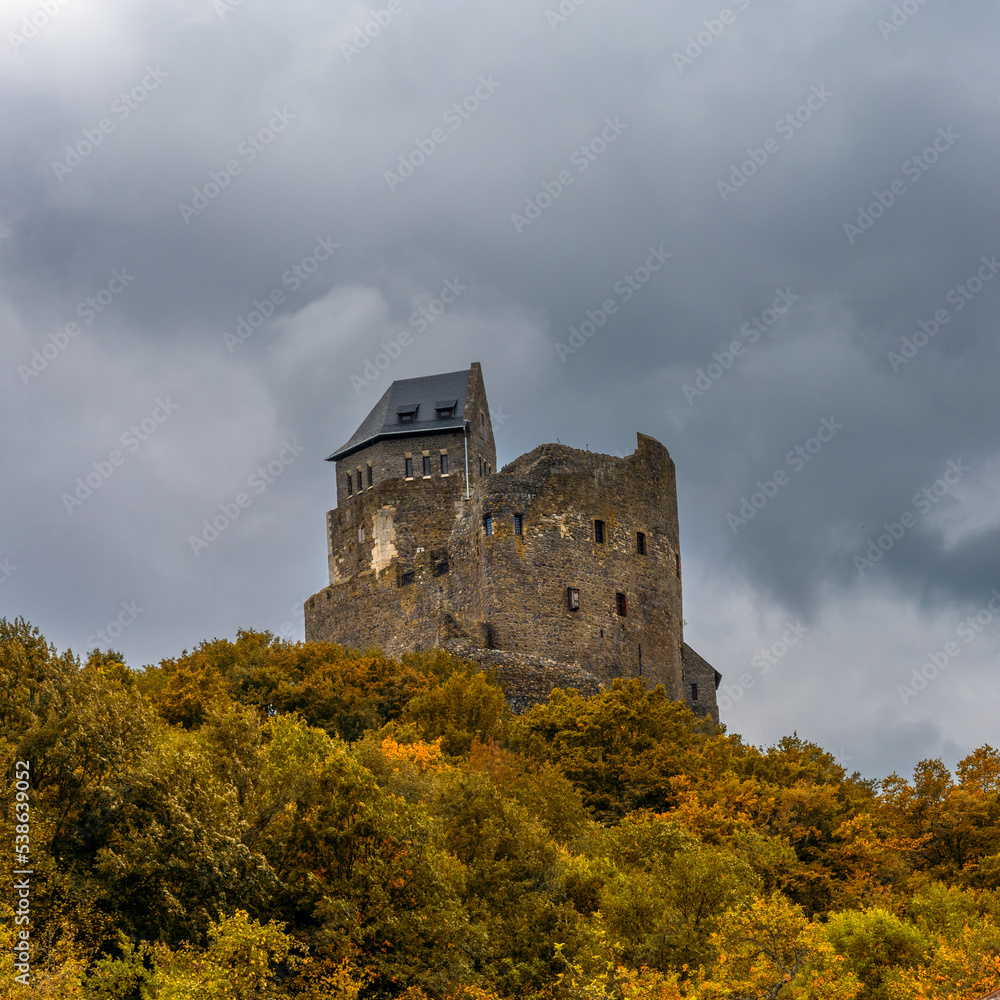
x=359, y=480
x=621, y=604
x=444, y=465
x=573, y=598
x=694, y=692
x=488, y=524
x=409, y=468
x=427, y=465
x=677, y=564
x=482, y=424
x=369, y=475
x=640, y=543
x=599, y=532
x=350, y=485
x=518, y=524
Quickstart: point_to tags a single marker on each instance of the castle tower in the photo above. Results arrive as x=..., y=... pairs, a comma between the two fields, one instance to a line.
x=561, y=568
x=402, y=476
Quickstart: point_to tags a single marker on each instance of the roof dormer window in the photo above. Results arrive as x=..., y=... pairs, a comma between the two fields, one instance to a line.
x=445, y=409
x=406, y=414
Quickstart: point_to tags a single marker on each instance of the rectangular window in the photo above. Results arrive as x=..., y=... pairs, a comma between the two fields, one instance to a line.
x=406, y=417
x=694, y=692
x=444, y=465
x=441, y=568
x=407, y=578
x=409, y=468
x=427, y=465
x=599, y=532
x=573, y=598
x=488, y=524
x=621, y=604
x=518, y=524
x=350, y=485
x=359, y=480
x=369, y=475
x=444, y=412
x=640, y=543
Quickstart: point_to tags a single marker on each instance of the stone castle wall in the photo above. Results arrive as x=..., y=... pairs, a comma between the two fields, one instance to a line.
x=412, y=566
x=517, y=584
x=394, y=517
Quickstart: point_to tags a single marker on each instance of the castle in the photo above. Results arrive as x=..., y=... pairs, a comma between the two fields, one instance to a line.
x=560, y=570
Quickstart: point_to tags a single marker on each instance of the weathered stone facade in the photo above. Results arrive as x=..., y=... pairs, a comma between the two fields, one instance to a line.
x=563, y=569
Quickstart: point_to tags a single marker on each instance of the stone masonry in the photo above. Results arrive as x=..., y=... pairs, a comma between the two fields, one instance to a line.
x=561, y=570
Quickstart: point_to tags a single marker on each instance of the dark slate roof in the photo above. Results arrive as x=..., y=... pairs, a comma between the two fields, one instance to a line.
x=426, y=394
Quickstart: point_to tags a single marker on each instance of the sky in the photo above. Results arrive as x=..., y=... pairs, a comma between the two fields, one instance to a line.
x=765, y=234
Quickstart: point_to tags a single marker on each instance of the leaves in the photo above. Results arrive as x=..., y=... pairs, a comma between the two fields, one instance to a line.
x=260, y=818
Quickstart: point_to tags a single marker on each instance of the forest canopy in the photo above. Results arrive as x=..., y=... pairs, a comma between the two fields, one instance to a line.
x=263, y=818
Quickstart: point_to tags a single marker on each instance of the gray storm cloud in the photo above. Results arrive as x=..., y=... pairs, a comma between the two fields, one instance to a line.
x=216, y=213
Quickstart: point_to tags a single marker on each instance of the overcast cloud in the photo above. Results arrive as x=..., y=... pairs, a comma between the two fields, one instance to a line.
x=824, y=171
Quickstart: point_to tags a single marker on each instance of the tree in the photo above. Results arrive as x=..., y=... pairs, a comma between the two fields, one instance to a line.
x=241, y=962
x=768, y=950
x=876, y=946
x=362, y=875
x=668, y=892
x=465, y=707
x=620, y=747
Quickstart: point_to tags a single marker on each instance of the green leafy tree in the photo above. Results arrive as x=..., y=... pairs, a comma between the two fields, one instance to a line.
x=620, y=747
x=876, y=945
x=465, y=707
x=669, y=892
x=360, y=869
x=515, y=889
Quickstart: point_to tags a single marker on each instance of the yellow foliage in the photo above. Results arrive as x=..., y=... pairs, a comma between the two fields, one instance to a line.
x=57, y=966
x=322, y=980
x=769, y=950
x=237, y=965
x=957, y=971
x=425, y=756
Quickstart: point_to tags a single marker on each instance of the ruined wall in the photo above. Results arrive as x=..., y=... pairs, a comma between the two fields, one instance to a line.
x=377, y=539
x=395, y=516
x=501, y=598
x=526, y=679
x=374, y=611
x=516, y=585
